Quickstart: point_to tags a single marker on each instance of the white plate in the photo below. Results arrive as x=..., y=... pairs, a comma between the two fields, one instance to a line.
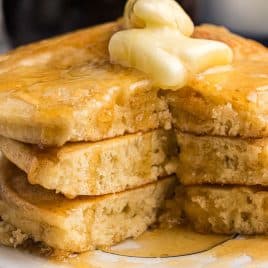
x=11, y=258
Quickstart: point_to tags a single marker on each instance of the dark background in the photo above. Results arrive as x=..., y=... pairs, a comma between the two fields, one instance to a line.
x=26, y=21
x=30, y=20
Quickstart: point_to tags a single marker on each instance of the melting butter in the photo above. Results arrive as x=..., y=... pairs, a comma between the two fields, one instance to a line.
x=157, y=42
x=161, y=13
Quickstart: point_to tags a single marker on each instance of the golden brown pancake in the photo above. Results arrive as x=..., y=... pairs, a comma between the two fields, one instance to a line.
x=225, y=209
x=97, y=168
x=81, y=224
x=65, y=89
x=228, y=100
x=222, y=160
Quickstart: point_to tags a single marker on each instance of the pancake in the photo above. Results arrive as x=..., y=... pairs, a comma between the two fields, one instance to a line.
x=65, y=89
x=222, y=160
x=81, y=224
x=243, y=48
x=226, y=209
x=97, y=168
x=228, y=100
x=225, y=100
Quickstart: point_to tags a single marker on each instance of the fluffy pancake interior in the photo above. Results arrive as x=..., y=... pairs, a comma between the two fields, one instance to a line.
x=81, y=224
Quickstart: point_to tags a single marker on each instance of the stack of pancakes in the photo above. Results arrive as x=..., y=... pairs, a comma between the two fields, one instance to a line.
x=89, y=141
x=222, y=129
x=94, y=148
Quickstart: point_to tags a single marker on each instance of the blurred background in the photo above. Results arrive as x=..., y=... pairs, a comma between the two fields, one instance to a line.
x=25, y=21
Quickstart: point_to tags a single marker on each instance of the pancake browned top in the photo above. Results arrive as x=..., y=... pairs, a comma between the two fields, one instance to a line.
x=66, y=89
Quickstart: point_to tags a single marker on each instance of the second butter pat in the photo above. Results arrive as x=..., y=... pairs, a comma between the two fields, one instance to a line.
x=157, y=43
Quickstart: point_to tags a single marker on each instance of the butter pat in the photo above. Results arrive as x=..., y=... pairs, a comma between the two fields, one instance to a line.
x=157, y=42
x=157, y=13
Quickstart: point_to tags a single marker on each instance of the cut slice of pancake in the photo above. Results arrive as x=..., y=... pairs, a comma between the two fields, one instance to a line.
x=228, y=100
x=81, y=224
x=65, y=89
x=226, y=209
x=222, y=160
x=97, y=168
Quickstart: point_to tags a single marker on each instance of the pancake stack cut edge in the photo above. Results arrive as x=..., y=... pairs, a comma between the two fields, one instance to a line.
x=221, y=128
x=96, y=146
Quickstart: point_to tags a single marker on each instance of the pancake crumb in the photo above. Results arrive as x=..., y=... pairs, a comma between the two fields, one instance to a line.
x=11, y=236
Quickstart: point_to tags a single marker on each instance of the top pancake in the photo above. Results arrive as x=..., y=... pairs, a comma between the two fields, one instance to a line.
x=227, y=100
x=65, y=89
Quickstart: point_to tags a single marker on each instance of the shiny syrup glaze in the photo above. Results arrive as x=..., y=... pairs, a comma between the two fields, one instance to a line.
x=181, y=241
x=164, y=243
x=178, y=241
